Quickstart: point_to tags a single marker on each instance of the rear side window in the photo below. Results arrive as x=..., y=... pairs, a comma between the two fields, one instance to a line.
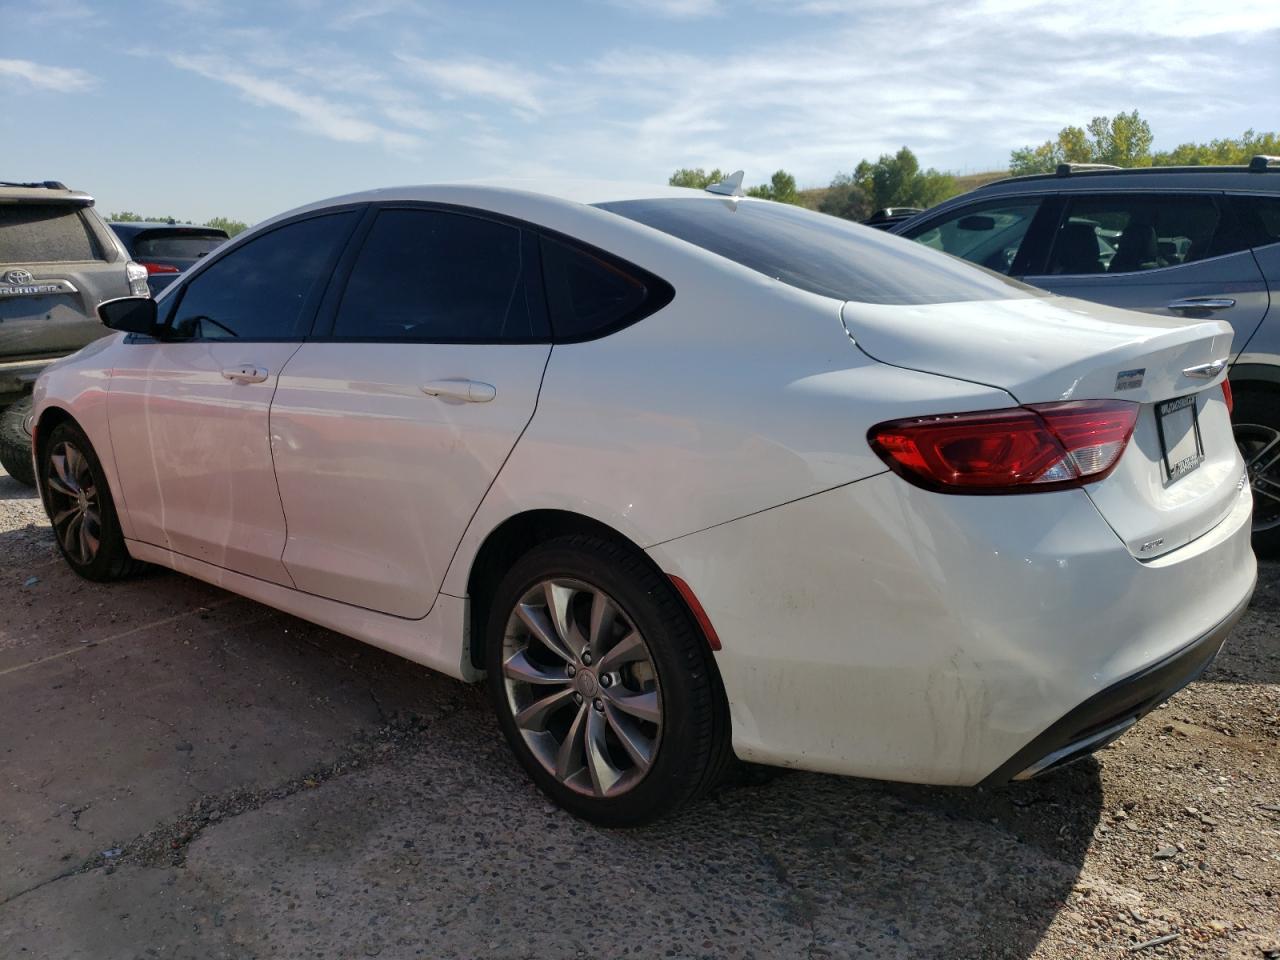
x=819, y=253
x=45, y=233
x=1257, y=221
x=989, y=235
x=1127, y=234
x=175, y=246
x=588, y=295
x=266, y=288
x=430, y=275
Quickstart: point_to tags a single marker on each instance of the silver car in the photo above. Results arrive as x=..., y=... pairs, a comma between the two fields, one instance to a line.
x=58, y=261
x=1185, y=241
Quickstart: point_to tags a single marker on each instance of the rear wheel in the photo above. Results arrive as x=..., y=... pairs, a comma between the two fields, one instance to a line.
x=603, y=685
x=80, y=507
x=15, y=445
x=1256, y=420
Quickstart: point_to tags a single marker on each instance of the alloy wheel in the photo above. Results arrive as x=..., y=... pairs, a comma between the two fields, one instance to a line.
x=582, y=687
x=1260, y=446
x=74, y=507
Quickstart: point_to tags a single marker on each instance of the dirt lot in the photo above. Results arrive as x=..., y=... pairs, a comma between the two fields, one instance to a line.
x=188, y=774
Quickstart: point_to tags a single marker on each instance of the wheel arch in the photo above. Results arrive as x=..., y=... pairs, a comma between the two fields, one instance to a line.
x=509, y=541
x=50, y=417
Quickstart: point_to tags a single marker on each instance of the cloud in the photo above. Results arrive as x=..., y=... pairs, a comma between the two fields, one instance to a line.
x=671, y=9
x=45, y=77
x=479, y=78
x=318, y=115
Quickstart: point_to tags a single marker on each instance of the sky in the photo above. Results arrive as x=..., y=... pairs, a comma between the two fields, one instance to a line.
x=246, y=108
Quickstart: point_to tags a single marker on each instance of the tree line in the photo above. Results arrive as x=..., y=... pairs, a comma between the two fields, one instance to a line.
x=897, y=180
x=231, y=227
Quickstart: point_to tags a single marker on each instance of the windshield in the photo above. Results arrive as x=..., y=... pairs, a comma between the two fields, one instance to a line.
x=819, y=253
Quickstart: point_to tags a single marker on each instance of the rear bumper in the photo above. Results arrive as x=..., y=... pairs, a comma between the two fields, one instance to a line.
x=18, y=376
x=880, y=630
x=1106, y=715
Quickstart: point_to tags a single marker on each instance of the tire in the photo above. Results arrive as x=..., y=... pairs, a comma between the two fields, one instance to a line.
x=79, y=504
x=15, y=445
x=605, y=700
x=1256, y=420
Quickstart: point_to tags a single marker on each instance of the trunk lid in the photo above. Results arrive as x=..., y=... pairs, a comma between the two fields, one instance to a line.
x=1180, y=473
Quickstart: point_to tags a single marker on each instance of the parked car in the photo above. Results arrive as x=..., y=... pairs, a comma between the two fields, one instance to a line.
x=685, y=474
x=1178, y=241
x=166, y=249
x=889, y=216
x=58, y=261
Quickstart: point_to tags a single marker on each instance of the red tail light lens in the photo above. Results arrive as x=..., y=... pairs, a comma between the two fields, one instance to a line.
x=1045, y=446
x=1226, y=395
x=154, y=268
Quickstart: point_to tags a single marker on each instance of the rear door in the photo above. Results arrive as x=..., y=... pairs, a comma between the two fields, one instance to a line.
x=388, y=431
x=1179, y=254
x=54, y=271
x=189, y=415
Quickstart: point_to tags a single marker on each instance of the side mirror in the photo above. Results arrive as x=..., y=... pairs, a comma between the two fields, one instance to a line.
x=129, y=314
x=977, y=222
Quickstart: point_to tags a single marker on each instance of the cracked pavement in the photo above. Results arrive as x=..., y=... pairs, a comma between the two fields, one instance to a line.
x=190, y=774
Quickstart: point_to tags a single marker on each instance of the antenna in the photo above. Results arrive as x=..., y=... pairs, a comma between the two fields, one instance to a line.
x=730, y=186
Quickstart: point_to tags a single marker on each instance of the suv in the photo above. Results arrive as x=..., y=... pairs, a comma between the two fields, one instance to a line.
x=166, y=250
x=1181, y=241
x=58, y=261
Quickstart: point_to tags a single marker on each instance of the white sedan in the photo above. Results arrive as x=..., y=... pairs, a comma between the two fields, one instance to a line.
x=684, y=474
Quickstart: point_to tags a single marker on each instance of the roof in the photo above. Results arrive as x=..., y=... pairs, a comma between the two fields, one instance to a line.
x=573, y=191
x=41, y=193
x=1141, y=178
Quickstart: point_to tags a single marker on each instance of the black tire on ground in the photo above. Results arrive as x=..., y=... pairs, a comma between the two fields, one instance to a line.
x=59, y=458
x=1256, y=420
x=693, y=748
x=15, y=445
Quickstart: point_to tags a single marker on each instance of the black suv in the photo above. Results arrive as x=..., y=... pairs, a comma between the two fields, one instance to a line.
x=1181, y=241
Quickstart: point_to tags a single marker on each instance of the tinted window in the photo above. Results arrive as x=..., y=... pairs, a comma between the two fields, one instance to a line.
x=45, y=233
x=1124, y=234
x=989, y=235
x=586, y=294
x=175, y=246
x=1256, y=224
x=262, y=290
x=818, y=253
x=435, y=276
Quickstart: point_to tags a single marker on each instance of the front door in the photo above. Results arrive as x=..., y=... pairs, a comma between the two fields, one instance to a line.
x=388, y=433
x=189, y=414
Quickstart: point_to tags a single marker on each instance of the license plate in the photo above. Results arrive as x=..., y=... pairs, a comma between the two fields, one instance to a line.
x=1180, y=443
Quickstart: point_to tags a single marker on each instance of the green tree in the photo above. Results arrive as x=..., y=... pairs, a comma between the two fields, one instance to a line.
x=232, y=227
x=695, y=177
x=781, y=187
x=896, y=180
x=1123, y=140
x=1229, y=150
x=844, y=198
x=125, y=216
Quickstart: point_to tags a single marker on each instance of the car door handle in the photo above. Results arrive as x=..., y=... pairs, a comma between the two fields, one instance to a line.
x=464, y=391
x=245, y=373
x=1202, y=303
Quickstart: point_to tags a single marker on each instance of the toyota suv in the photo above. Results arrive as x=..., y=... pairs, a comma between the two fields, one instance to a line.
x=1189, y=242
x=58, y=261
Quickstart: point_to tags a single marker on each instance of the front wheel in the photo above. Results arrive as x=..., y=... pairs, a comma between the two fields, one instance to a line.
x=603, y=685
x=15, y=445
x=80, y=507
x=1256, y=421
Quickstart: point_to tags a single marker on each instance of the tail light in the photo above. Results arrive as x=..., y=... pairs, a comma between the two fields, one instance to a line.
x=1047, y=446
x=1226, y=395
x=136, y=274
x=154, y=268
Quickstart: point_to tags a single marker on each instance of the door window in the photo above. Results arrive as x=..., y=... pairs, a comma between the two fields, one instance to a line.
x=265, y=289
x=990, y=235
x=1256, y=223
x=433, y=276
x=588, y=296
x=1127, y=234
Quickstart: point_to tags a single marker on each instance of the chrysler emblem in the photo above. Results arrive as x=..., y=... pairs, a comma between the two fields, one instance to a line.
x=18, y=277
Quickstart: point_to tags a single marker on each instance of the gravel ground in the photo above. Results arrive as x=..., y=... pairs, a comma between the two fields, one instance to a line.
x=188, y=774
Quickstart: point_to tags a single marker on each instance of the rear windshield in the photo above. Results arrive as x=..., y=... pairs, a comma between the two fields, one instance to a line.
x=174, y=246
x=45, y=233
x=819, y=253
